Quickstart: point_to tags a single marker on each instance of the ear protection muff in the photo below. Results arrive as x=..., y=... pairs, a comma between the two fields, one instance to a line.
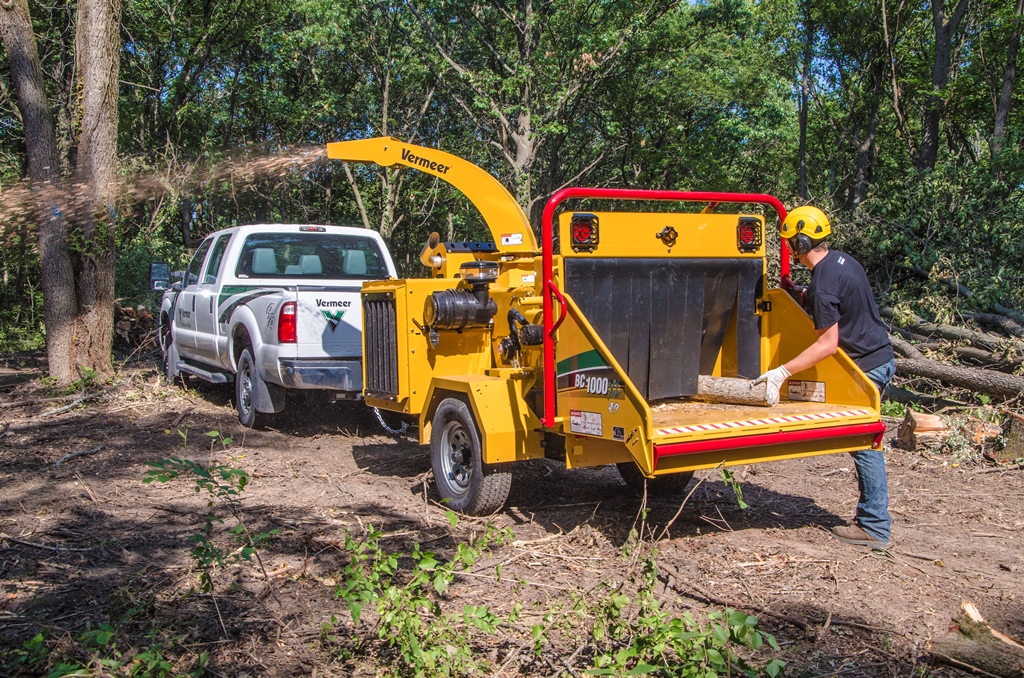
x=801, y=243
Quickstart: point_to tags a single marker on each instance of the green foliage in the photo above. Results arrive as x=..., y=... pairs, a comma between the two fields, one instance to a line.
x=891, y=408
x=729, y=478
x=409, y=615
x=223, y=484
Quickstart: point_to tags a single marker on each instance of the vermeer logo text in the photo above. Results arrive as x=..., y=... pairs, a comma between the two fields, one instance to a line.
x=424, y=162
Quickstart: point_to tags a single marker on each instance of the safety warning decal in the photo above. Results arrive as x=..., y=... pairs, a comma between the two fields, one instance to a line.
x=812, y=391
x=787, y=419
x=511, y=239
x=587, y=423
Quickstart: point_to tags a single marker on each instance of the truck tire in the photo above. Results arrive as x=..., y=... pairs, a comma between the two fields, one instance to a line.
x=245, y=389
x=469, y=485
x=167, y=355
x=661, y=487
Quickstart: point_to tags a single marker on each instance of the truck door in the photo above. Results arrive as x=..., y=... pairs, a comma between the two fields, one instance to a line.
x=208, y=337
x=185, y=307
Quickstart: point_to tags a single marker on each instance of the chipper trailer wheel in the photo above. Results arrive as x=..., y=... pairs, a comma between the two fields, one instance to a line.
x=469, y=485
x=666, y=486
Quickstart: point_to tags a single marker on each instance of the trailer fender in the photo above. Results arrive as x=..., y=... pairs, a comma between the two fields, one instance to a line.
x=509, y=430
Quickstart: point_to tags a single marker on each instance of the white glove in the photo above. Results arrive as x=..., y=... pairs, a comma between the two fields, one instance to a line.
x=773, y=380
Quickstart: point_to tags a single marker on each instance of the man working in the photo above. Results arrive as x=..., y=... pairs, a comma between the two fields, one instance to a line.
x=842, y=305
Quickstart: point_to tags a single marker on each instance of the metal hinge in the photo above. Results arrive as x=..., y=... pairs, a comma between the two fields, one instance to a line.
x=764, y=306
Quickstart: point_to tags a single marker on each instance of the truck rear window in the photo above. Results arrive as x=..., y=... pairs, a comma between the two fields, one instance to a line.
x=324, y=256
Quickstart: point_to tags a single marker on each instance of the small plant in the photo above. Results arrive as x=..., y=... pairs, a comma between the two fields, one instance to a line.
x=408, y=608
x=223, y=484
x=891, y=408
x=729, y=478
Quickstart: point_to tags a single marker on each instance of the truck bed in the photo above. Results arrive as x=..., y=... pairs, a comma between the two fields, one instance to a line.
x=684, y=419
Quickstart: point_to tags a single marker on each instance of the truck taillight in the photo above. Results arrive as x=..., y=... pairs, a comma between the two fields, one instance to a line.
x=748, y=234
x=286, y=331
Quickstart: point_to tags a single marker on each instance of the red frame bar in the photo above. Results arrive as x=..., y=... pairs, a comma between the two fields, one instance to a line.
x=547, y=243
x=782, y=438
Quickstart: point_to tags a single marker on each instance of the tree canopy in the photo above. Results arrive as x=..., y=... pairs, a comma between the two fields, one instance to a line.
x=902, y=120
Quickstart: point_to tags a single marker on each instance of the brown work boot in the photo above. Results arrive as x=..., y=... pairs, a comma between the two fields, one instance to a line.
x=853, y=534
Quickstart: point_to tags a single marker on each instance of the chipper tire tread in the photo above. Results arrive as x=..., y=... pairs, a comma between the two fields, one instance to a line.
x=481, y=489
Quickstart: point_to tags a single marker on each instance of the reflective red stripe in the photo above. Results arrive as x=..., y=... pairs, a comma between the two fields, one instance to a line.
x=547, y=242
x=877, y=429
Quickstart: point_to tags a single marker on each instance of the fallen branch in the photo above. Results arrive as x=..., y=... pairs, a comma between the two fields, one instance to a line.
x=1004, y=323
x=78, y=402
x=985, y=340
x=974, y=643
x=905, y=348
x=33, y=401
x=7, y=537
x=78, y=454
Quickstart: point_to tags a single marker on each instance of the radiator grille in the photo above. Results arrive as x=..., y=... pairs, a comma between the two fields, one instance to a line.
x=380, y=328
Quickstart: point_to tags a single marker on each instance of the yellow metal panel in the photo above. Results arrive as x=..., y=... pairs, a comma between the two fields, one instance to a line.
x=509, y=430
x=788, y=330
x=596, y=399
x=581, y=451
x=634, y=234
x=509, y=226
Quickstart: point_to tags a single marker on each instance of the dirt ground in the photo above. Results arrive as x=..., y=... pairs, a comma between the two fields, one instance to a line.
x=87, y=543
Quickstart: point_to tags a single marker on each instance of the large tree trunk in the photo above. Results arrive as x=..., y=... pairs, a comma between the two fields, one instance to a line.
x=983, y=381
x=98, y=61
x=805, y=96
x=1009, y=74
x=945, y=28
x=865, y=156
x=59, y=302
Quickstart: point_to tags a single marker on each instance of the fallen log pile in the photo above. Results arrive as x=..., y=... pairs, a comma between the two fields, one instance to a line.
x=986, y=359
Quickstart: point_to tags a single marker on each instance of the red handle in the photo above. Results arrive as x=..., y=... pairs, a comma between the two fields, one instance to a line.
x=553, y=289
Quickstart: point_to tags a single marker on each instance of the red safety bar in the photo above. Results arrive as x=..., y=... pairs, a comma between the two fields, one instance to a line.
x=547, y=243
x=876, y=429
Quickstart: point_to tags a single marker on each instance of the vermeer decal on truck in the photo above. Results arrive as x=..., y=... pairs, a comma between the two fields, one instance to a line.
x=333, y=318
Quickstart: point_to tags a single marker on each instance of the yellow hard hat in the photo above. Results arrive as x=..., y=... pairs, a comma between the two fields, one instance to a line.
x=809, y=221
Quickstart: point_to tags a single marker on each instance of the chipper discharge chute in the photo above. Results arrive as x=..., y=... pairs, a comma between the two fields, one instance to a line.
x=604, y=339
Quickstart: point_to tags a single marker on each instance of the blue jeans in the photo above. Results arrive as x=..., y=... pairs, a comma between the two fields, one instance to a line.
x=873, y=508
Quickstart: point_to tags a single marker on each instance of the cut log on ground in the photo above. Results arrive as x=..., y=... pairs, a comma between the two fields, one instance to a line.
x=1004, y=323
x=905, y=397
x=919, y=430
x=732, y=391
x=906, y=349
x=973, y=378
x=976, y=355
x=973, y=642
x=991, y=342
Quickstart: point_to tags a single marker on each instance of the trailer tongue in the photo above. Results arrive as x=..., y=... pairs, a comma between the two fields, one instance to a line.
x=600, y=336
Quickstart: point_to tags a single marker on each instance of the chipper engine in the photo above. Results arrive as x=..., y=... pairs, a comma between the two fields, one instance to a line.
x=600, y=344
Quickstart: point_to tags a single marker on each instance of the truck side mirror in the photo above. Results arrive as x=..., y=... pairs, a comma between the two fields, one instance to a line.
x=159, y=275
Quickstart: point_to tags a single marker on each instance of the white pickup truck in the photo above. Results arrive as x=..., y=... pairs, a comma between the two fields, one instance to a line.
x=271, y=307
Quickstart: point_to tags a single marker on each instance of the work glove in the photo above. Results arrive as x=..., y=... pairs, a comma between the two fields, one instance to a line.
x=773, y=380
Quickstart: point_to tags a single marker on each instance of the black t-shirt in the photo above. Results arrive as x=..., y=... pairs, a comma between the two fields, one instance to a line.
x=840, y=293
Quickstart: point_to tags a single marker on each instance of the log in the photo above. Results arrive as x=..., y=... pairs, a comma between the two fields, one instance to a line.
x=976, y=355
x=906, y=349
x=732, y=391
x=920, y=430
x=991, y=342
x=973, y=378
x=905, y=397
x=1006, y=324
x=972, y=641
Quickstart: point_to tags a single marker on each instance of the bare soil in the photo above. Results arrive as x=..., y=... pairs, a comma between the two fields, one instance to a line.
x=87, y=542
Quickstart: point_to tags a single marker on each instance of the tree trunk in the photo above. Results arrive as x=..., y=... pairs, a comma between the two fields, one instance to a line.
x=975, y=646
x=805, y=96
x=98, y=60
x=1009, y=73
x=865, y=156
x=59, y=302
x=945, y=29
x=983, y=381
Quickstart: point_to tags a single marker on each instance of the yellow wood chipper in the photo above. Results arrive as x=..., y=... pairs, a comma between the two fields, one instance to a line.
x=590, y=345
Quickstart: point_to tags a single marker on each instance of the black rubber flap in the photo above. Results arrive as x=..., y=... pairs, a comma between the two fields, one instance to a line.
x=665, y=320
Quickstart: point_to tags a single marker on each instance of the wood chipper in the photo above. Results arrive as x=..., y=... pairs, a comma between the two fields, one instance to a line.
x=591, y=346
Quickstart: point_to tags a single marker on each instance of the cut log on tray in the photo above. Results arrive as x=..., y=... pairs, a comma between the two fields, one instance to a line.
x=920, y=430
x=730, y=390
x=973, y=378
x=972, y=643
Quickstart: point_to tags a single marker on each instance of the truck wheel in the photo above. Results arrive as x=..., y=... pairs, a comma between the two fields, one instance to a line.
x=166, y=356
x=469, y=485
x=662, y=486
x=245, y=389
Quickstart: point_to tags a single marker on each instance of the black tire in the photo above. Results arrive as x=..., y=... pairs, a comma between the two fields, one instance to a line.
x=165, y=357
x=245, y=389
x=662, y=487
x=469, y=485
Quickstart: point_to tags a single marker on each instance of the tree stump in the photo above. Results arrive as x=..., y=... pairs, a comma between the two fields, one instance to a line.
x=920, y=430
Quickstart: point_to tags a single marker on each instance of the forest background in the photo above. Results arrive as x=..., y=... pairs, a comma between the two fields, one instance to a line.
x=902, y=120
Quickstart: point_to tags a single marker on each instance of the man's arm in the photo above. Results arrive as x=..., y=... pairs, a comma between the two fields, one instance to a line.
x=827, y=344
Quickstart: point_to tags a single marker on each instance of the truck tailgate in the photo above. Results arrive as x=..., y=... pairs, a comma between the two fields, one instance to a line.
x=329, y=322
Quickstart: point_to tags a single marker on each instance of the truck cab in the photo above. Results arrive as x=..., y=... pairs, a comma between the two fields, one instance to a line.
x=273, y=307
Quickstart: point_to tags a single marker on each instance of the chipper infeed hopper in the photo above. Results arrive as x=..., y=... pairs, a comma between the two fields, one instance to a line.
x=600, y=338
